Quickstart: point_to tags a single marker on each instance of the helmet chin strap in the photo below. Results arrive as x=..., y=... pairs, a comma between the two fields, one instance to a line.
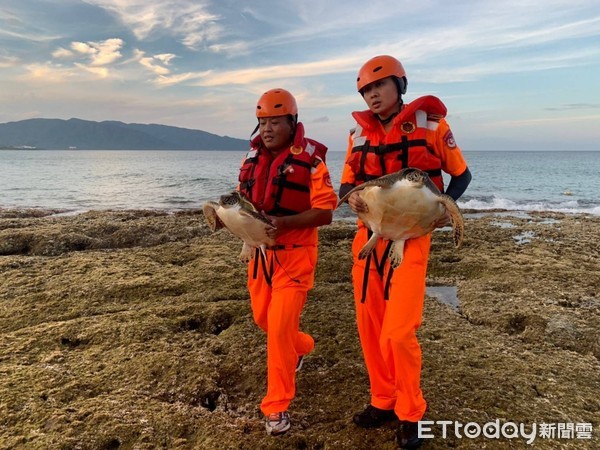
x=391, y=116
x=388, y=119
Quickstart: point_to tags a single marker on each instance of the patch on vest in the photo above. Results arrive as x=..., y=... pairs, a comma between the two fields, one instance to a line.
x=408, y=127
x=449, y=139
x=327, y=180
x=296, y=150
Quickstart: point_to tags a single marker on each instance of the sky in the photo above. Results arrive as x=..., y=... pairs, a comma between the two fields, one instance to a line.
x=514, y=74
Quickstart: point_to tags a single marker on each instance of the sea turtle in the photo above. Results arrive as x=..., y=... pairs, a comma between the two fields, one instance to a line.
x=241, y=218
x=404, y=205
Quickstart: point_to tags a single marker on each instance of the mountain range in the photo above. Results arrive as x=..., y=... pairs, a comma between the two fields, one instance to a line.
x=57, y=134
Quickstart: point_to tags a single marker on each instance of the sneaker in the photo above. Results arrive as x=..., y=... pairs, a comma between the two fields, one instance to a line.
x=373, y=417
x=299, y=364
x=407, y=435
x=277, y=423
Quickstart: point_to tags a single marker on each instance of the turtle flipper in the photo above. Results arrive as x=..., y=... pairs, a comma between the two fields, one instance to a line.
x=211, y=217
x=384, y=181
x=246, y=254
x=258, y=216
x=397, y=253
x=360, y=187
x=458, y=227
x=368, y=247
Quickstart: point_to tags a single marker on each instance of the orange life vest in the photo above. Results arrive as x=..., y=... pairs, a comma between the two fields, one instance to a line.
x=408, y=144
x=280, y=185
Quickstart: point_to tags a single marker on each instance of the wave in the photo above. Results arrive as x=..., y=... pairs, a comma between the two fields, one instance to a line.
x=569, y=206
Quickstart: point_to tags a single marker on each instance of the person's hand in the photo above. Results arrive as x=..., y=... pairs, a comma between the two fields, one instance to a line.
x=278, y=225
x=271, y=232
x=357, y=204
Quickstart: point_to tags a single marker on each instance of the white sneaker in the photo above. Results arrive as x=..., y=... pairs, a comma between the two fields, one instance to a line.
x=277, y=423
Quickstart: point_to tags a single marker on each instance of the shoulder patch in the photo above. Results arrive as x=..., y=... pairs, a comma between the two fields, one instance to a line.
x=449, y=139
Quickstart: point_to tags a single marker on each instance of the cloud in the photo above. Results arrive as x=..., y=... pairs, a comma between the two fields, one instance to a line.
x=156, y=63
x=188, y=20
x=83, y=48
x=574, y=106
x=28, y=36
x=239, y=47
x=278, y=72
x=164, y=81
x=518, y=63
x=165, y=57
x=48, y=73
x=549, y=121
x=160, y=65
x=62, y=53
x=157, y=69
x=198, y=27
x=101, y=72
x=8, y=61
x=469, y=53
x=57, y=74
x=100, y=53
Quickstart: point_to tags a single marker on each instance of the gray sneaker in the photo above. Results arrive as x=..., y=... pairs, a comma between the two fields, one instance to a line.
x=277, y=423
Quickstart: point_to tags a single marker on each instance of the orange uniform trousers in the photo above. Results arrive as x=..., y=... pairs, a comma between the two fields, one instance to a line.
x=387, y=327
x=278, y=289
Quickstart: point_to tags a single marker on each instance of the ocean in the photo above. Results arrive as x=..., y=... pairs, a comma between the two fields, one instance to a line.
x=74, y=181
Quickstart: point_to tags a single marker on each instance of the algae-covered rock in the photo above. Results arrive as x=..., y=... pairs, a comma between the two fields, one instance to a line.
x=133, y=330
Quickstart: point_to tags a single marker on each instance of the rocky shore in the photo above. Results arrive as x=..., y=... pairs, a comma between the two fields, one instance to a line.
x=132, y=330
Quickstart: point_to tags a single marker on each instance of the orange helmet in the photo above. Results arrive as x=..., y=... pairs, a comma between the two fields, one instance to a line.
x=276, y=102
x=378, y=68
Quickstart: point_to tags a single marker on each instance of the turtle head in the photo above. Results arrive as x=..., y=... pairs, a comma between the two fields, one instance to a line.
x=231, y=199
x=415, y=175
x=420, y=178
